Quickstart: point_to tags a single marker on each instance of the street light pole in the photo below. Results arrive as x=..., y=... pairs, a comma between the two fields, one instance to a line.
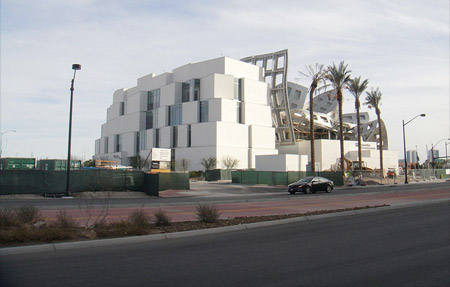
x=404, y=145
x=75, y=67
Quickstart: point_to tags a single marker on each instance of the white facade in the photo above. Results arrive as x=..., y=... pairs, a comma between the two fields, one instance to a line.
x=328, y=154
x=215, y=108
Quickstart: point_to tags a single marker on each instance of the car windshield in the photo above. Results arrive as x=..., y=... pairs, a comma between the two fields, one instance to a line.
x=306, y=179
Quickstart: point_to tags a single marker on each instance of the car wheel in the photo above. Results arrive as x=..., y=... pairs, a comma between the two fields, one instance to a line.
x=329, y=189
x=291, y=192
x=307, y=190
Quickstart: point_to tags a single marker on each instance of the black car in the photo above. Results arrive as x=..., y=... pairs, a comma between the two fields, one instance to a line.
x=311, y=184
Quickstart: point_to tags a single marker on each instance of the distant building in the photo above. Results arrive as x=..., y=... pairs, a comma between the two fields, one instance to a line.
x=411, y=156
x=430, y=155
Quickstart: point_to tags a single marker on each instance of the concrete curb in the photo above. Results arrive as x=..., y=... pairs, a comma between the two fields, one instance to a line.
x=191, y=233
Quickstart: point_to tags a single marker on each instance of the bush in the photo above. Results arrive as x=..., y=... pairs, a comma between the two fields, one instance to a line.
x=7, y=218
x=139, y=219
x=161, y=218
x=28, y=214
x=207, y=213
x=64, y=220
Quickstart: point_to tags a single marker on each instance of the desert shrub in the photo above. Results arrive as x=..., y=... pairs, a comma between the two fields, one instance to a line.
x=118, y=229
x=207, y=213
x=7, y=218
x=64, y=220
x=139, y=219
x=161, y=218
x=28, y=214
x=30, y=234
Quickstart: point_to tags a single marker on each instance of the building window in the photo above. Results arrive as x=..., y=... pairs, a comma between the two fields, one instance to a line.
x=153, y=100
x=142, y=140
x=204, y=113
x=118, y=143
x=122, y=109
x=156, y=137
x=106, y=145
x=190, y=91
x=174, y=141
x=238, y=89
x=137, y=143
x=239, y=112
x=151, y=119
x=175, y=115
x=189, y=136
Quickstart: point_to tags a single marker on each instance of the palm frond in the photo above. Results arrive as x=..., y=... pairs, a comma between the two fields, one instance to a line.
x=356, y=87
x=373, y=98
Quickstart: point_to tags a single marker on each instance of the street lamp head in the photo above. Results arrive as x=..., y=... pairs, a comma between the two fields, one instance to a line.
x=422, y=115
x=76, y=67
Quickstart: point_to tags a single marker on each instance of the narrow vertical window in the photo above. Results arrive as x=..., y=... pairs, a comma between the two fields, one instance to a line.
x=204, y=113
x=237, y=89
x=122, y=108
x=189, y=136
x=153, y=100
x=156, y=144
x=106, y=145
x=174, y=137
x=185, y=92
x=196, y=90
x=149, y=120
x=118, y=143
x=174, y=115
x=142, y=140
x=239, y=112
x=137, y=143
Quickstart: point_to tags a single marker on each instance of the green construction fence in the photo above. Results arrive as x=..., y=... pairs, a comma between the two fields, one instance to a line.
x=280, y=178
x=54, y=182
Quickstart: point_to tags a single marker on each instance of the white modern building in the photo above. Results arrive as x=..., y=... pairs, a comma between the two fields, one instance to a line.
x=229, y=108
x=216, y=108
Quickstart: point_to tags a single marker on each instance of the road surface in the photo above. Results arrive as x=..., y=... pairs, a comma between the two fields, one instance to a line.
x=408, y=246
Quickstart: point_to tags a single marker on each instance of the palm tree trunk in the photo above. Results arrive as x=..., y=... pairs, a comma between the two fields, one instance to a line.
x=311, y=127
x=381, y=142
x=341, y=129
x=358, y=126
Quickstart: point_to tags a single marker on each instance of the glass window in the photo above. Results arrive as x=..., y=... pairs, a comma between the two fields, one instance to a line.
x=151, y=119
x=137, y=142
x=118, y=143
x=237, y=89
x=189, y=135
x=190, y=91
x=122, y=108
x=142, y=140
x=239, y=112
x=153, y=100
x=106, y=145
x=196, y=90
x=156, y=144
x=185, y=91
x=204, y=113
x=174, y=136
x=175, y=115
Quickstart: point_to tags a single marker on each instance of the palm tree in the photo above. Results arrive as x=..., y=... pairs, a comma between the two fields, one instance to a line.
x=317, y=75
x=373, y=100
x=339, y=77
x=356, y=88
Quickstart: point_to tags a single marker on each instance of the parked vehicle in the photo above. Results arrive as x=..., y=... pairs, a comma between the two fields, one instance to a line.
x=311, y=184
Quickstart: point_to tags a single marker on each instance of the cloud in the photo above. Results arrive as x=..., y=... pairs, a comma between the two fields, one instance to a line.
x=401, y=47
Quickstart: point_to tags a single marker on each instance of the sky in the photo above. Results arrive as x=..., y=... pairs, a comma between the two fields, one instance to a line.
x=400, y=46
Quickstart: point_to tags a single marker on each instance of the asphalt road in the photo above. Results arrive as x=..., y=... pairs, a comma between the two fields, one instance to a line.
x=397, y=247
x=234, y=193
